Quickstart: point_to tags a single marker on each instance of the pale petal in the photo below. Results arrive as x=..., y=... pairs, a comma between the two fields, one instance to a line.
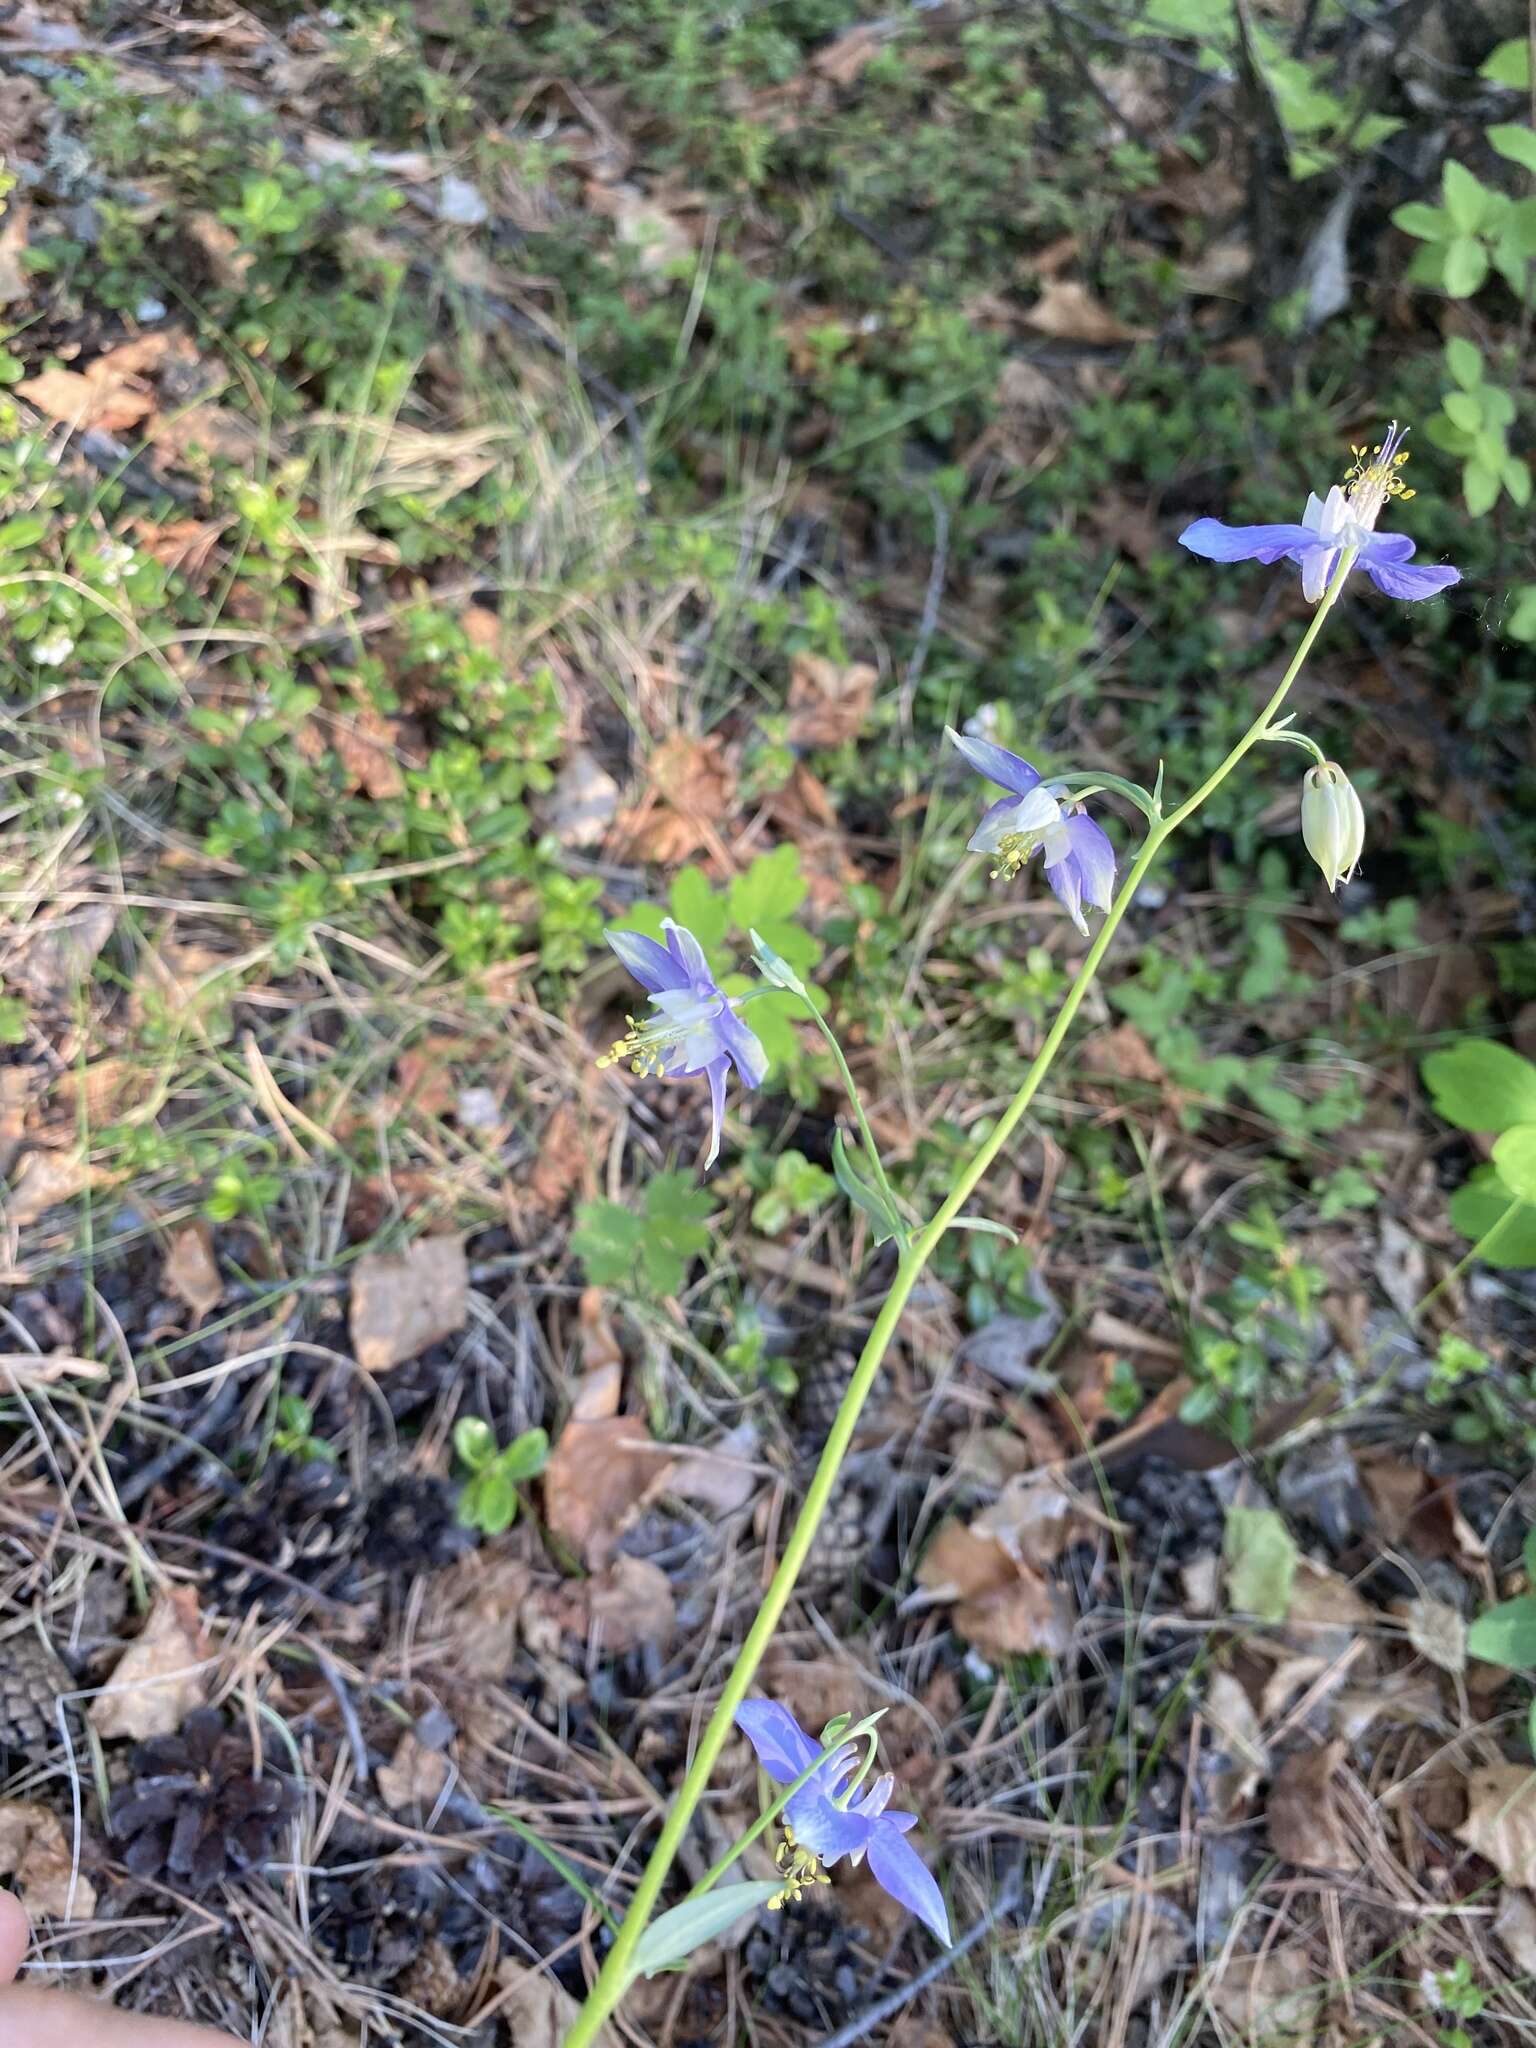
x=996, y=763
x=651, y=965
x=902, y=1872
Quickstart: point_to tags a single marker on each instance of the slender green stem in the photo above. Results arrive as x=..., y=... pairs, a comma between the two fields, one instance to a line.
x=615, y=1973
x=851, y=1088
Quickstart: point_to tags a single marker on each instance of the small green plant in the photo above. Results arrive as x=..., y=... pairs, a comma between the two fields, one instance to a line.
x=489, y=1500
x=645, y=1253
x=295, y=1436
x=1476, y=228
x=1263, y=1317
x=747, y=1357
x=1473, y=422
x=239, y=1189
x=1457, y=1992
x=796, y=1188
x=1480, y=1085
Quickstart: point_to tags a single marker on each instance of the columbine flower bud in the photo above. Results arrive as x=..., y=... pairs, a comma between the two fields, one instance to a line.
x=1332, y=822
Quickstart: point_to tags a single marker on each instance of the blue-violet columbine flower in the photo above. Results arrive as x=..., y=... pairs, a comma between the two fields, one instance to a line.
x=826, y=1819
x=1346, y=518
x=694, y=1028
x=1037, y=818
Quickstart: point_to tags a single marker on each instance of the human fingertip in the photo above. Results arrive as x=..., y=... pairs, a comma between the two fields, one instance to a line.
x=14, y=1935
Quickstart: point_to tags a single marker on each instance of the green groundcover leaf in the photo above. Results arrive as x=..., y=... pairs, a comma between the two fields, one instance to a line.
x=1514, y=1161
x=1482, y=1085
x=1506, y=1634
x=686, y=1927
x=1478, y=1206
x=1260, y=1555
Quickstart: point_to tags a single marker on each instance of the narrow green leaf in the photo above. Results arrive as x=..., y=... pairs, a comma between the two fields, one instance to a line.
x=985, y=1226
x=865, y=1197
x=678, y=1933
x=1464, y=361
x=1516, y=141
x=1466, y=266
x=1424, y=223
x=1480, y=488
x=1509, y=64
x=1466, y=196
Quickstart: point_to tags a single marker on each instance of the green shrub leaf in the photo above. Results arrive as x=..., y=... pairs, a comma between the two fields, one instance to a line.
x=1481, y=1085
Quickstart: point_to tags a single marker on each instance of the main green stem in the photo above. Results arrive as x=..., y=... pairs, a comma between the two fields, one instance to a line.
x=614, y=1975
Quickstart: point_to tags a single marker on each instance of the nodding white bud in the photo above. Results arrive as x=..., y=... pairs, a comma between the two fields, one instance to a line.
x=1332, y=822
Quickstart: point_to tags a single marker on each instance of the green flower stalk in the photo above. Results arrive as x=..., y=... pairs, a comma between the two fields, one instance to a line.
x=916, y=1249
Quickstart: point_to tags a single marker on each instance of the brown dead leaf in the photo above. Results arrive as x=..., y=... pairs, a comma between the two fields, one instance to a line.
x=959, y=1564
x=1018, y=1619
x=157, y=1682
x=596, y=1398
x=688, y=800
x=1412, y=1698
x=1437, y=1631
x=1273, y=1997
x=630, y=1606
x=1515, y=1925
x=43, y=1180
x=564, y=1159
x=1068, y=311
x=1035, y=1521
x=221, y=249
x=720, y=1478
x=14, y=282
x=85, y=403
x=212, y=432
x=367, y=746
x=404, y=1301
x=1501, y=1820
x=537, y=2011
x=426, y=1077
x=643, y=223
x=476, y=1605
x=1229, y=1713
x=59, y=954
x=599, y=1346
x=186, y=545
x=581, y=805
x=829, y=701
x=1305, y=1825
x=414, y=1778
x=23, y=104
x=1123, y=1054
x=97, y=1091
x=597, y=1475
x=35, y=1856
x=191, y=1272
x=174, y=978
x=843, y=59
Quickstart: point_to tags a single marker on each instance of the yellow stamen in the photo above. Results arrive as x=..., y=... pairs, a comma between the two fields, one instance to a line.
x=643, y=1057
x=799, y=1869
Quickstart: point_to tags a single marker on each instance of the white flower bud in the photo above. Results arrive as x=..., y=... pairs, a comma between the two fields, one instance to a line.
x=1332, y=822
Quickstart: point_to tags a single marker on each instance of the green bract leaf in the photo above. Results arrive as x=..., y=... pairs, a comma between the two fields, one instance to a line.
x=1506, y=1634
x=1483, y=1205
x=1516, y=141
x=1481, y=1085
x=774, y=967
x=1466, y=266
x=678, y=1933
x=1517, y=479
x=1425, y=223
x=863, y=1194
x=985, y=1226
x=1260, y=1555
x=1509, y=64
x=1464, y=361
x=1463, y=411
x=1514, y=1161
